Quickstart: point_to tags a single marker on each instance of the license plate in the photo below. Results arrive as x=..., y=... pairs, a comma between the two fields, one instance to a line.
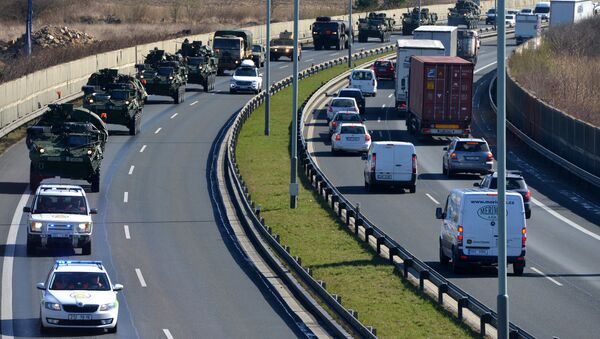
x=70, y=159
x=472, y=158
x=352, y=138
x=478, y=251
x=384, y=176
x=446, y=126
x=80, y=317
x=60, y=235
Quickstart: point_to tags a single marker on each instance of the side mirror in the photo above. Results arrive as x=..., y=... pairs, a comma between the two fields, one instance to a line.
x=93, y=211
x=260, y=75
x=364, y=157
x=445, y=148
x=117, y=287
x=439, y=214
x=40, y=286
x=476, y=184
x=370, y=132
x=26, y=209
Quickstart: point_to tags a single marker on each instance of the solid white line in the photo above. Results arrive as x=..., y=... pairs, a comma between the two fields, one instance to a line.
x=125, y=196
x=174, y=115
x=126, y=229
x=307, y=60
x=545, y=276
x=131, y=169
x=484, y=67
x=167, y=333
x=193, y=103
x=140, y=277
x=7, y=268
x=158, y=130
x=391, y=95
x=432, y=199
x=286, y=66
x=565, y=220
x=142, y=149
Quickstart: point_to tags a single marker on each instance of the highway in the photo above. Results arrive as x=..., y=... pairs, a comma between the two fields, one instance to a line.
x=158, y=230
x=559, y=294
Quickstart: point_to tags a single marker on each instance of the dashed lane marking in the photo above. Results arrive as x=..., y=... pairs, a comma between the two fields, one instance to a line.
x=126, y=230
x=193, y=103
x=140, y=277
x=142, y=149
x=131, y=169
x=174, y=115
x=432, y=198
x=157, y=130
x=391, y=95
x=125, y=196
x=167, y=333
x=545, y=276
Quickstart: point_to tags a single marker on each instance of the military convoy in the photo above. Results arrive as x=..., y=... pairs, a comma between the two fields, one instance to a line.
x=66, y=142
x=328, y=33
x=375, y=25
x=201, y=62
x=464, y=13
x=232, y=47
x=164, y=74
x=413, y=19
x=283, y=47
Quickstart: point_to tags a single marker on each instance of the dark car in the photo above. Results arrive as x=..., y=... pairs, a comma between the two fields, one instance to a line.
x=384, y=69
x=355, y=93
x=514, y=182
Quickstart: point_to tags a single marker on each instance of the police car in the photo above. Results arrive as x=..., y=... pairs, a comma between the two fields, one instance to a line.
x=246, y=78
x=79, y=294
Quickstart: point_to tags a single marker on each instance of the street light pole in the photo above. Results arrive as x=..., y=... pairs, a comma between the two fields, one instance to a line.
x=267, y=82
x=28, y=28
x=351, y=35
x=294, y=134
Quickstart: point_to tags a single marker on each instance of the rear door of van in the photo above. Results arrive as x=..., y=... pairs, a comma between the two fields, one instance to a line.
x=403, y=162
x=384, y=162
x=515, y=222
x=479, y=222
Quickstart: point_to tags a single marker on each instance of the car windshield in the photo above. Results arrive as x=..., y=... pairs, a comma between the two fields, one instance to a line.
x=526, y=10
x=491, y=11
x=343, y=103
x=511, y=183
x=86, y=281
x=60, y=204
x=362, y=75
x=226, y=44
x=164, y=71
x=256, y=48
x=542, y=10
x=472, y=146
x=282, y=42
x=195, y=61
x=352, y=130
x=324, y=26
x=119, y=95
x=245, y=72
x=510, y=16
x=347, y=117
x=382, y=64
x=350, y=94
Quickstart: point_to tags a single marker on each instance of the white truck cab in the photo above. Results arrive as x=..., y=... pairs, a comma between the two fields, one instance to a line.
x=469, y=232
x=391, y=163
x=59, y=215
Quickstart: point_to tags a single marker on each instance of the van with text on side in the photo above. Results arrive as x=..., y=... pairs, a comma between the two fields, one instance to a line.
x=469, y=232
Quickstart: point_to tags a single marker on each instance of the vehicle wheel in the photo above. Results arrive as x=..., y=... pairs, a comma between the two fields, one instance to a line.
x=443, y=169
x=96, y=182
x=527, y=214
x=367, y=186
x=113, y=329
x=44, y=329
x=86, y=249
x=372, y=187
x=444, y=260
x=334, y=151
x=231, y=91
x=30, y=247
x=220, y=71
x=518, y=269
x=34, y=178
x=382, y=38
x=413, y=189
x=456, y=266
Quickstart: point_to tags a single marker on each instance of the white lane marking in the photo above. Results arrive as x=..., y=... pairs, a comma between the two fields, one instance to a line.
x=307, y=60
x=432, y=199
x=545, y=276
x=333, y=54
x=383, y=106
x=193, y=103
x=213, y=93
x=167, y=333
x=131, y=169
x=565, y=220
x=7, y=268
x=138, y=272
x=126, y=230
x=484, y=67
x=126, y=197
x=285, y=66
x=157, y=130
x=391, y=95
x=174, y=115
x=142, y=149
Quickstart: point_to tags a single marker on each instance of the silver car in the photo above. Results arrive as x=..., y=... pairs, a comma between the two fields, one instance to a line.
x=341, y=104
x=467, y=155
x=344, y=116
x=350, y=137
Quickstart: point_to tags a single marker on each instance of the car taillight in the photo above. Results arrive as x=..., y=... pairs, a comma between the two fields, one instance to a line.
x=527, y=196
x=367, y=137
x=373, y=161
x=459, y=237
x=523, y=236
x=338, y=137
x=333, y=124
x=414, y=164
x=490, y=156
x=453, y=156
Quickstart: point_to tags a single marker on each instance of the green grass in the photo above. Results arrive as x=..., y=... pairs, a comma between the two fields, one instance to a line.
x=351, y=269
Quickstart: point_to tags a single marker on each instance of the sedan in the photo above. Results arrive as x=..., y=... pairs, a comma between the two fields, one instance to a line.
x=341, y=104
x=384, y=69
x=350, y=137
x=341, y=117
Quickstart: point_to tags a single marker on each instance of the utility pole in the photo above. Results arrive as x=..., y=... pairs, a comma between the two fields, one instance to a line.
x=351, y=35
x=294, y=134
x=28, y=25
x=267, y=82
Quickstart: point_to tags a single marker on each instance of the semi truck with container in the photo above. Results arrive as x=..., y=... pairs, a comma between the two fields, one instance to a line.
x=440, y=96
x=528, y=26
x=566, y=12
x=448, y=35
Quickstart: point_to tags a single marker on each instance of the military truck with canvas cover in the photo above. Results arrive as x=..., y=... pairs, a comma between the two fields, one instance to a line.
x=201, y=63
x=328, y=33
x=284, y=47
x=115, y=98
x=66, y=142
x=375, y=25
x=163, y=74
x=464, y=13
x=231, y=47
x=413, y=19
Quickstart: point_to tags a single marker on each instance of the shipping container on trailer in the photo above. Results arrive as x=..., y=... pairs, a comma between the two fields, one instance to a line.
x=566, y=12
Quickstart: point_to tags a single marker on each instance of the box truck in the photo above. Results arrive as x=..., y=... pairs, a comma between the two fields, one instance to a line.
x=446, y=34
x=565, y=12
x=528, y=26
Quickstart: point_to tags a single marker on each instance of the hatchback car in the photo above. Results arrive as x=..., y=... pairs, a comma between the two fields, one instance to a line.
x=384, y=69
x=365, y=80
x=341, y=104
x=467, y=155
x=350, y=137
x=357, y=95
x=514, y=183
x=341, y=117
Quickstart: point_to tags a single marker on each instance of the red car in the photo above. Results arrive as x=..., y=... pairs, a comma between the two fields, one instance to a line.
x=384, y=69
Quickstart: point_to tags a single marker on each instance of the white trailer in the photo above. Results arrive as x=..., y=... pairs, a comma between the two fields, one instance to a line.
x=405, y=49
x=446, y=34
x=528, y=26
x=566, y=12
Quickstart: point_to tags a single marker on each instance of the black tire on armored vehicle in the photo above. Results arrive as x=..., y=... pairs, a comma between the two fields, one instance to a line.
x=202, y=64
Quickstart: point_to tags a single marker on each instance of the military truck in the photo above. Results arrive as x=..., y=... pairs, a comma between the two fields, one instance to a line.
x=328, y=33
x=464, y=12
x=413, y=19
x=375, y=25
x=201, y=63
x=231, y=47
x=284, y=47
x=66, y=142
x=116, y=98
x=164, y=74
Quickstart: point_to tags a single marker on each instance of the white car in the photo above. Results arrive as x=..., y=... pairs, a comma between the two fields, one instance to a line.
x=350, y=137
x=341, y=104
x=510, y=20
x=527, y=11
x=344, y=116
x=365, y=80
x=79, y=294
x=60, y=215
x=246, y=78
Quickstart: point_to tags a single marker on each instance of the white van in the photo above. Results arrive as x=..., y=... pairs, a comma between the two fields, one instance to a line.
x=470, y=229
x=542, y=9
x=391, y=163
x=365, y=80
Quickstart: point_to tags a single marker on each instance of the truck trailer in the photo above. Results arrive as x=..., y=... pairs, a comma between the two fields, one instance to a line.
x=528, y=26
x=565, y=12
x=446, y=34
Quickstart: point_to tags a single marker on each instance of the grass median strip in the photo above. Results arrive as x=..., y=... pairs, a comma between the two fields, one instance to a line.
x=351, y=269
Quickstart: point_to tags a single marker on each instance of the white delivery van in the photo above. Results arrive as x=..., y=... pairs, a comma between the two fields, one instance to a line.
x=448, y=35
x=405, y=49
x=566, y=12
x=365, y=80
x=528, y=26
x=391, y=163
x=470, y=229
x=543, y=10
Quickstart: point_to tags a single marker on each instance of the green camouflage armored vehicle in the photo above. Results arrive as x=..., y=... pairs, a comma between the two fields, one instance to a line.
x=412, y=20
x=68, y=143
x=201, y=62
x=464, y=13
x=163, y=74
x=375, y=25
x=115, y=98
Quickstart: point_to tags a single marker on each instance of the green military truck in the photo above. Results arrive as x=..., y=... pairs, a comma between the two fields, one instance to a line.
x=413, y=19
x=232, y=47
x=375, y=25
x=163, y=74
x=464, y=13
x=66, y=142
x=328, y=33
x=201, y=62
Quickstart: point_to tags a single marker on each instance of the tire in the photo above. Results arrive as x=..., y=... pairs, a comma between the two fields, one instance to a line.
x=444, y=260
x=220, y=71
x=134, y=125
x=44, y=329
x=34, y=178
x=444, y=169
x=318, y=47
x=30, y=247
x=232, y=91
x=176, y=98
x=86, y=249
x=456, y=266
x=96, y=182
x=527, y=214
x=413, y=189
x=518, y=269
x=334, y=151
x=113, y=329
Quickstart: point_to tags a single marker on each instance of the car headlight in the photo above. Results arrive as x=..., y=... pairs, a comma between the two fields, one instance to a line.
x=52, y=306
x=91, y=101
x=287, y=50
x=108, y=307
x=84, y=227
x=127, y=102
x=36, y=226
x=141, y=76
x=89, y=152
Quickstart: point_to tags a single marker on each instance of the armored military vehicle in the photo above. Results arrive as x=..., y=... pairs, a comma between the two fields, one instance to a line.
x=66, y=142
x=464, y=12
x=328, y=33
x=232, y=47
x=163, y=74
x=201, y=62
x=284, y=47
x=375, y=25
x=116, y=98
x=413, y=19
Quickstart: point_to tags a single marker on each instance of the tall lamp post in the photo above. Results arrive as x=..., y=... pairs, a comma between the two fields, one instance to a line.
x=351, y=35
x=267, y=82
x=294, y=134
